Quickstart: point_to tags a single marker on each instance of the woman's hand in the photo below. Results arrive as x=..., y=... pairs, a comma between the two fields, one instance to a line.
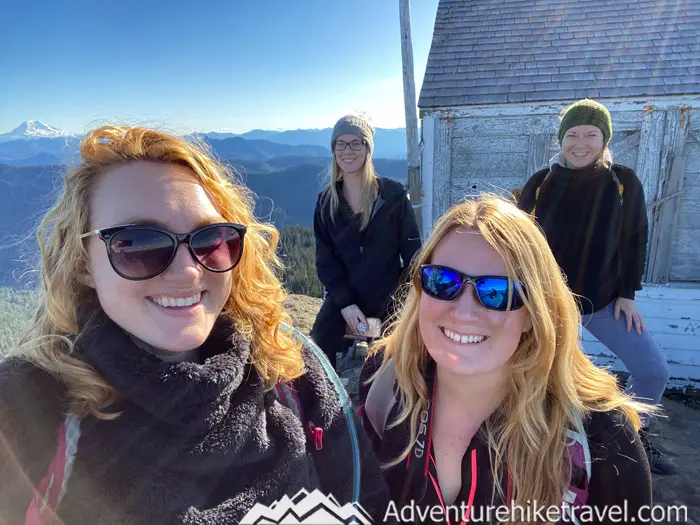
x=355, y=319
x=631, y=313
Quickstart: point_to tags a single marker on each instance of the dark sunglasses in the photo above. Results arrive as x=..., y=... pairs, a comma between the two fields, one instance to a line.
x=446, y=284
x=138, y=252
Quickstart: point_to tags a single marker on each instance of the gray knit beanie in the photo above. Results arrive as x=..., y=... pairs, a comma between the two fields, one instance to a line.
x=355, y=125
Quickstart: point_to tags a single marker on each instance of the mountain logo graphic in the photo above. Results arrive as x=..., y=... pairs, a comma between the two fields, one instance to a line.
x=307, y=507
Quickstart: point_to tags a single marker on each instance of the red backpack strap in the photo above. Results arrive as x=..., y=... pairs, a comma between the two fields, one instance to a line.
x=288, y=396
x=45, y=500
x=49, y=493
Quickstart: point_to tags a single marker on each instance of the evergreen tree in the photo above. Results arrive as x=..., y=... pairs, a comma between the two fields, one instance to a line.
x=297, y=249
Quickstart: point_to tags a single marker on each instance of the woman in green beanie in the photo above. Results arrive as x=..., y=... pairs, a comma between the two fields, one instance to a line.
x=593, y=213
x=366, y=235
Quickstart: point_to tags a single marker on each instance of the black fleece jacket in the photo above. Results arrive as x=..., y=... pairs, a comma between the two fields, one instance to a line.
x=366, y=267
x=195, y=443
x=599, y=242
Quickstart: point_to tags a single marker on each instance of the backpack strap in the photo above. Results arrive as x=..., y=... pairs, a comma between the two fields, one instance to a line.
x=579, y=439
x=287, y=394
x=580, y=456
x=620, y=186
x=52, y=487
x=537, y=192
x=381, y=398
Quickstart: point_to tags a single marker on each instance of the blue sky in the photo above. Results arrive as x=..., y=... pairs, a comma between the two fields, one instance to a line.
x=206, y=65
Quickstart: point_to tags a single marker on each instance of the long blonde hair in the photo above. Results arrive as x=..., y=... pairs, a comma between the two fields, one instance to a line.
x=255, y=304
x=370, y=187
x=551, y=378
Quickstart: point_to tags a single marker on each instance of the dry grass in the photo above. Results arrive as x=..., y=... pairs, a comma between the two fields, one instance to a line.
x=303, y=310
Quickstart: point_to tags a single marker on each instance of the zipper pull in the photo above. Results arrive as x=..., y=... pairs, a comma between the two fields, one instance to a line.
x=316, y=435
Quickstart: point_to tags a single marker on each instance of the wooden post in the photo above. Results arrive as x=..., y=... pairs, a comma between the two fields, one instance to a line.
x=415, y=187
x=667, y=201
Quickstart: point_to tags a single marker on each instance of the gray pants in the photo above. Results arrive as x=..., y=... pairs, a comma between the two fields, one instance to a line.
x=646, y=364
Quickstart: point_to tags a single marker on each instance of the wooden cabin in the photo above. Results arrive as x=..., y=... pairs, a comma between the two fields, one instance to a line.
x=500, y=73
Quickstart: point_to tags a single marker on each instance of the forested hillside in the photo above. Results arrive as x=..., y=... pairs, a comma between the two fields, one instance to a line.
x=298, y=252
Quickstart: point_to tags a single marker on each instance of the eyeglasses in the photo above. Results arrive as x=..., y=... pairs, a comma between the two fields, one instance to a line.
x=355, y=145
x=138, y=252
x=445, y=284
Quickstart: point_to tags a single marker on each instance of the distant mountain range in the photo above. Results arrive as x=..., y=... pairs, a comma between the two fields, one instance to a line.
x=64, y=150
x=44, y=151
x=262, y=150
x=34, y=143
x=285, y=190
x=388, y=143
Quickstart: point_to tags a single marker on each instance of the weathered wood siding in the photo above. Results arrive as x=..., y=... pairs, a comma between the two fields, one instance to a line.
x=442, y=166
x=685, y=261
x=499, y=154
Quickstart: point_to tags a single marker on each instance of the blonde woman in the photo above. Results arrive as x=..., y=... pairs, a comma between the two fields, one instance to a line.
x=492, y=384
x=366, y=235
x=145, y=390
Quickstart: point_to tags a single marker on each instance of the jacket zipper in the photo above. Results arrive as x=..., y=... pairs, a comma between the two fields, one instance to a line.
x=472, y=489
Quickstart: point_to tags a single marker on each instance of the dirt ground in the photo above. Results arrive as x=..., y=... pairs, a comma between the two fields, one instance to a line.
x=677, y=431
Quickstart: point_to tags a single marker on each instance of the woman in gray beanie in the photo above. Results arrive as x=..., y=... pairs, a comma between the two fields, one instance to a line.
x=366, y=235
x=594, y=215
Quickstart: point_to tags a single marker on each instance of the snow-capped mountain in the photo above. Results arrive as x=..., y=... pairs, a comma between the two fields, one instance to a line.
x=305, y=507
x=32, y=129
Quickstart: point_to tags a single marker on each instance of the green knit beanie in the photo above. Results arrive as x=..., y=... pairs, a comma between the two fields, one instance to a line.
x=586, y=112
x=355, y=125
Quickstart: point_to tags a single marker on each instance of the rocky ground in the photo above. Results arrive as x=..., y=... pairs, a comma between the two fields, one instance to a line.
x=677, y=431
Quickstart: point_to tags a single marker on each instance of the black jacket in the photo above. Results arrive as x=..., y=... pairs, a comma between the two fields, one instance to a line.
x=598, y=238
x=365, y=268
x=196, y=442
x=619, y=471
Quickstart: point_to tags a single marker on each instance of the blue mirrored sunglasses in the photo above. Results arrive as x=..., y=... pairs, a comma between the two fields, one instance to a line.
x=444, y=283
